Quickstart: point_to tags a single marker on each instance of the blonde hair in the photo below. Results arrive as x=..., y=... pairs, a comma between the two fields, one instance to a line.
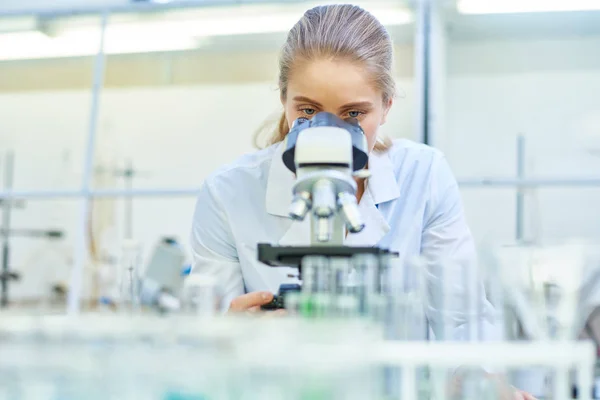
x=340, y=31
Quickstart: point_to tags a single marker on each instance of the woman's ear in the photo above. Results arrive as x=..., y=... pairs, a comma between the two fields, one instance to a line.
x=386, y=109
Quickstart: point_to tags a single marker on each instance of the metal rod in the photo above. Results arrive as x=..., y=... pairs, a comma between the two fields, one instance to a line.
x=6, y=211
x=473, y=183
x=32, y=233
x=80, y=249
x=422, y=58
x=101, y=193
x=520, y=200
x=529, y=182
x=436, y=78
x=426, y=70
x=129, y=200
x=124, y=7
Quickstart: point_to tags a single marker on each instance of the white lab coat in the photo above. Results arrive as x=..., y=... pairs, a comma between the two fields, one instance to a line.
x=411, y=205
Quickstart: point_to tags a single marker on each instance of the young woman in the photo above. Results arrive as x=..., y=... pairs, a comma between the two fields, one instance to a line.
x=336, y=59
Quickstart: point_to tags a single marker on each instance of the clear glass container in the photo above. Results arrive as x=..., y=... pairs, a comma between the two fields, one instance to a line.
x=199, y=296
x=128, y=300
x=549, y=286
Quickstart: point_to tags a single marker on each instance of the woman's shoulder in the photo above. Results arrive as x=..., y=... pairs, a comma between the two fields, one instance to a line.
x=413, y=161
x=408, y=152
x=248, y=168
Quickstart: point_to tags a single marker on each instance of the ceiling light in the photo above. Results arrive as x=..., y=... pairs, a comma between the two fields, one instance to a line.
x=524, y=6
x=169, y=31
x=18, y=24
x=33, y=45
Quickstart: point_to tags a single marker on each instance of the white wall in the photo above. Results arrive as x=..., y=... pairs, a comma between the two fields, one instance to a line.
x=546, y=90
x=174, y=136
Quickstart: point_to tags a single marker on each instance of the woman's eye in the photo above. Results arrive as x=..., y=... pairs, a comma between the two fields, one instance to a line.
x=309, y=111
x=354, y=114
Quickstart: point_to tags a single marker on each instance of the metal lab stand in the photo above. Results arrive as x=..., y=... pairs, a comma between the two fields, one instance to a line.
x=6, y=274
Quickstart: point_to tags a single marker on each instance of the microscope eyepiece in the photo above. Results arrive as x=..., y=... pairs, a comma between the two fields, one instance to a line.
x=360, y=155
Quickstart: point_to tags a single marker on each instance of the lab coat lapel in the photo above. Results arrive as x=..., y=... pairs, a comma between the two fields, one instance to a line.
x=383, y=184
x=280, y=185
x=298, y=233
x=375, y=225
x=382, y=187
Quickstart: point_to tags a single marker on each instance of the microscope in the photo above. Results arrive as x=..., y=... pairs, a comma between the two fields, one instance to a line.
x=325, y=153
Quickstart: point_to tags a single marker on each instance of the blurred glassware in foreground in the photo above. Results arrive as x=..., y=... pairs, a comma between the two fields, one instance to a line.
x=550, y=289
x=544, y=292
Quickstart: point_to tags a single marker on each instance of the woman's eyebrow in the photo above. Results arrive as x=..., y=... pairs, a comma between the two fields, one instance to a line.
x=359, y=104
x=307, y=100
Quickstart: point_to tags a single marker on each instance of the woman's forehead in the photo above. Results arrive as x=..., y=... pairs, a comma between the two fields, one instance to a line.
x=332, y=81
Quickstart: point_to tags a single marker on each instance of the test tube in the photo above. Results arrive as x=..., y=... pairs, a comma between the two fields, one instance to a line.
x=339, y=276
x=129, y=284
x=322, y=277
x=323, y=290
x=384, y=270
x=368, y=283
x=309, y=266
x=129, y=279
x=313, y=272
x=453, y=299
x=344, y=288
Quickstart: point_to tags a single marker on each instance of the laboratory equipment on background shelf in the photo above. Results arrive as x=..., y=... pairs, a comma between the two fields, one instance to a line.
x=161, y=282
x=156, y=287
x=8, y=273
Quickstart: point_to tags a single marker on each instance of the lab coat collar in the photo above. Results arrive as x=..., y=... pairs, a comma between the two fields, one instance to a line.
x=382, y=185
x=280, y=185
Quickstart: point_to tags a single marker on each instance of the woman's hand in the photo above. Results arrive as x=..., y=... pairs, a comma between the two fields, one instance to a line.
x=250, y=303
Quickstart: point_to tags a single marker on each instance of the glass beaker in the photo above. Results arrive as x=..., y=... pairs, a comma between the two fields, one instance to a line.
x=199, y=295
